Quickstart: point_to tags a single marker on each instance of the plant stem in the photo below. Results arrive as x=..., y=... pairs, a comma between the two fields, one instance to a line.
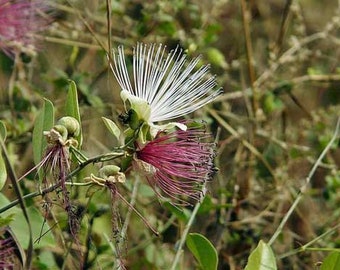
x=306, y=246
x=304, y=188
x=127, y=219
x=96, y=159
x=132, y=203
x=185, y=233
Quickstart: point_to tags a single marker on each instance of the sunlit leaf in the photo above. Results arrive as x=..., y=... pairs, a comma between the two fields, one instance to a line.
x=262, y=258
x=43, y=122
x=112, y=127
x=41, y=232
x=72, y=108
x=204, y=252
x=6, y=220
x=331, y=262
x=46, y=260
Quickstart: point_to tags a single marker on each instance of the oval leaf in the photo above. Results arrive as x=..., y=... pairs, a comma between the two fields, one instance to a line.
x=262, y=258
x=331, y=262
x=203, y=250
x=112, y=127
x=72, y=108
x=43, y=122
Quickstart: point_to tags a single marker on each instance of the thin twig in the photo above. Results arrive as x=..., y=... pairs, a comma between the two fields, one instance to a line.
x=249, y=48
x=304, y=188
x=128, y=216
x=283, y=25
x=247, y=144
x=306, y=246
x=185, y=233
x=81, y=166
x=132, y=203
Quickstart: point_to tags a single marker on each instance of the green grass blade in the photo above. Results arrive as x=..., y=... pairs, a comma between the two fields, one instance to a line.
x=72, y=108
x=43, y=122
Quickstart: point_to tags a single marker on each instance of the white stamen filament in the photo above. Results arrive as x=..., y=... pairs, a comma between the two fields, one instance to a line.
x=169, y=87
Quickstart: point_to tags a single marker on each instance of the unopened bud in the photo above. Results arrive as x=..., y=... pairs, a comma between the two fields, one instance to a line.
x=57, y=134
x=72, y=125
x=112, y=173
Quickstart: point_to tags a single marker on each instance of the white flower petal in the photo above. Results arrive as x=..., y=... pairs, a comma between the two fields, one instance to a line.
x=154, y=129
x=171, y=87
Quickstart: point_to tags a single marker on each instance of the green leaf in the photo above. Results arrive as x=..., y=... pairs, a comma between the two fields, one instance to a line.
x=46, y=261
x=216, y=57
x=4, y=221
x=204, y=252
x=3, y=171
x=181, y=214
x=3, y=130
x=112, y=127
x=206, y=205
x=43, y=122
x=331, y=262
x=41, y=232
x=262, y=258
x=72, y=108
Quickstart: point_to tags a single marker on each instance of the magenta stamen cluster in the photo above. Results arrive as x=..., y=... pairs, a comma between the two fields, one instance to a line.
x=19, y=21
x=180, y=162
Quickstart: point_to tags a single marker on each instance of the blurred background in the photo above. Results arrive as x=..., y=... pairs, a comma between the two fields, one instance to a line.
x=278, y=64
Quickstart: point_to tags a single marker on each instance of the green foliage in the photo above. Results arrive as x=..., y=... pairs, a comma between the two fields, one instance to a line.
x=72, y=108
x=43, y=122
x=331, y=262
x=41, y=232
x=112, y=127
x=203, y=250
x=4, y=221
x=181, y=214
x=261, y=258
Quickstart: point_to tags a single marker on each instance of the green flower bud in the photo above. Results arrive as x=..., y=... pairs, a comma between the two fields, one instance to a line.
x=112, y=173
x=58, y=134
x=62, y=130
x=71, y=124
x=108, y=170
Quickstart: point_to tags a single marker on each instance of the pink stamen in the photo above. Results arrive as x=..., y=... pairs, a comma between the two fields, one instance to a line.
x=182, y=162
